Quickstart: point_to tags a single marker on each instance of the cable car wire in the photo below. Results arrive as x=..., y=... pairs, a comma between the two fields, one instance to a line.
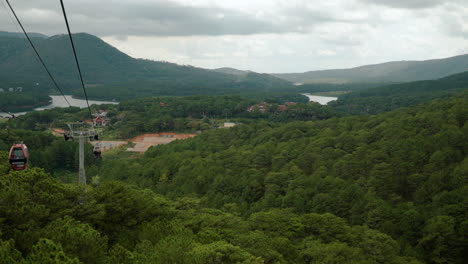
x=37, y=53
x=76, y=57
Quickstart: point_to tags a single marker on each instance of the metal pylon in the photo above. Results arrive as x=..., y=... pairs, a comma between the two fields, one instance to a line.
x=82, y=173
x=81, y=130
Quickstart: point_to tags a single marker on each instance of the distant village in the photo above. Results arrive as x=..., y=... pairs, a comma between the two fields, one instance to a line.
x=143, y=142
x=265, y=107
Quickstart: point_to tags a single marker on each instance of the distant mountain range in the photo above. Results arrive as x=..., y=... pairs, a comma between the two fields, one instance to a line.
x=390, y=97
x=110, y=73
x=397, y=71
x=105, y=67
x=21, y=35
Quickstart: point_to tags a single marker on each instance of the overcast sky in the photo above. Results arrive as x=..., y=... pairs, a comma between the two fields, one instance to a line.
x=261, y=35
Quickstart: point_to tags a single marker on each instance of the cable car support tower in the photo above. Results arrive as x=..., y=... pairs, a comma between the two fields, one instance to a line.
x=82, y=131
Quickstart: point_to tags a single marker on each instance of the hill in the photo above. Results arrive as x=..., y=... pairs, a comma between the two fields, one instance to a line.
x=390, y=97
x=403, y=173
x=104, y=67
x=21, y=35
x=397, y=71
x=232, y=71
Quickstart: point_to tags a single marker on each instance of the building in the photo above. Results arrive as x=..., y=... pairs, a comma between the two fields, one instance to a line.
x=102, y=113
x=58, y=132
x=262, y=107
x=99, y=121
x=285, y=106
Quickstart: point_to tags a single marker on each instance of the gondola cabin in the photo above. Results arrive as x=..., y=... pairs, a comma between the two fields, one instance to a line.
x=97, y=152
x=19, y=157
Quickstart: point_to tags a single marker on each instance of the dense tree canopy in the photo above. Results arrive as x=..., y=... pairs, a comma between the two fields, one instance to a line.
x=302, y=185
x=387, y=98
x=18, y=101
x=402, y=173
x=178, y=114
x=44, y=222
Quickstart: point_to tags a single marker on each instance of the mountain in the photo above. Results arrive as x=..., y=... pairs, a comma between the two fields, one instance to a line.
x=390, y=97
x=232, y=71
x=110, y=73
x=21, y=35
x=397, y=71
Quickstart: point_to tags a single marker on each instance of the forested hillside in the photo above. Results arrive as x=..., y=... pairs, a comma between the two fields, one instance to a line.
x=111, y=74
x=179, y=114
x=44, y=222
x=388, y=188
x=402, y=173
x=56, y=156
x=377, y=100
x=301, y=185
x=15, y=102
x=148, y=158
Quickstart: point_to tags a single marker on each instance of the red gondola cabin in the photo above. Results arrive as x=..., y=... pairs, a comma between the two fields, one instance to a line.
x=18, y=157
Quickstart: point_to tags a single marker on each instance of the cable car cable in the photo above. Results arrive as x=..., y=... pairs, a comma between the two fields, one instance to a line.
x=37, y=53
x=76, y=58
x=12, y=115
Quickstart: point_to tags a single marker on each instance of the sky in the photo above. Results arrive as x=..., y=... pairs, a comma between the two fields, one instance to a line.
x=272, y=36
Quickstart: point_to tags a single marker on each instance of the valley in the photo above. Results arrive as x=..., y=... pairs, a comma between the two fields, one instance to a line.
x=181, y=164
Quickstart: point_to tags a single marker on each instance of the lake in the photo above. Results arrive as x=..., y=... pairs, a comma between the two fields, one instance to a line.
x=59, y=101
x=323, y=100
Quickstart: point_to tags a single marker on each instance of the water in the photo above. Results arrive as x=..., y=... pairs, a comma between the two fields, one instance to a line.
x=59, y=101
x=323, y=100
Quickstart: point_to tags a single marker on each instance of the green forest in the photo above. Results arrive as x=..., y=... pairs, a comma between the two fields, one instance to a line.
x=375, y=100
x=179, y=114
x=14, y=102
x=379, y=176
x=234, y=160
x=306, y=185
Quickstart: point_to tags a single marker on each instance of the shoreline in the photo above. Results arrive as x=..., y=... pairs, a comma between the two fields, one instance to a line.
x=29, y=108
x=323, y=100
x=54, y=102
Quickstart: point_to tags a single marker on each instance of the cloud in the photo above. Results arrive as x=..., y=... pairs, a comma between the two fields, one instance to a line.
x=172, y=18
x=145, y=18
x=456, y=24
x=261, y=35
x=406, y=4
